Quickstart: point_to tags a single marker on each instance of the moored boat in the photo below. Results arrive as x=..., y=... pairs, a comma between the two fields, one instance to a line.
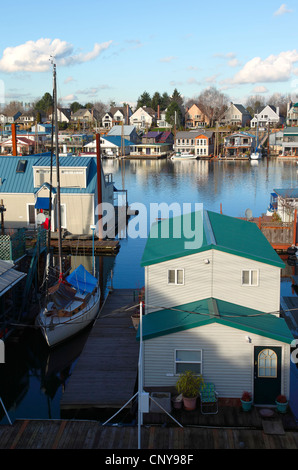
x=183, y=156
x=72, y=305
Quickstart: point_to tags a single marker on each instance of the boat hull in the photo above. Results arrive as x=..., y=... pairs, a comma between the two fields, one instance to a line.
x=183, y=157
x=58, y=329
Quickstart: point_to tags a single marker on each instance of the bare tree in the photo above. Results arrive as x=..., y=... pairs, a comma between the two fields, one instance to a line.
x=213, y=103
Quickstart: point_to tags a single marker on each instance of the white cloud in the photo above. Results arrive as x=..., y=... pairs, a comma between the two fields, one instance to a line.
x=260, y=89
x=168, y=59
x=69, y=98
x=35, y=56
x=282, y=10
x=275, y=68
x=69, y=79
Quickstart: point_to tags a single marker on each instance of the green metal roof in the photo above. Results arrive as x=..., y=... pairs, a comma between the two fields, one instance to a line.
x=212, y=231
x=210, y=310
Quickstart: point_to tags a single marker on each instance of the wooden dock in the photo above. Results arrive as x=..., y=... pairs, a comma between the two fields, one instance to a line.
x=106, y=372
x=85, y=246
x=61, y=434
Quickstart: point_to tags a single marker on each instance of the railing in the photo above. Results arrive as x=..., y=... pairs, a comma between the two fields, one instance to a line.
x=13, y=245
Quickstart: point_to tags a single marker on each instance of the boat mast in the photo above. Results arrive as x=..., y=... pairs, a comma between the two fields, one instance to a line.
x=58, y=177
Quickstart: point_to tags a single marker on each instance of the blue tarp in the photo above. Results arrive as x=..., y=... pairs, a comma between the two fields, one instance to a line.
x=42, y=203
x=82, y=280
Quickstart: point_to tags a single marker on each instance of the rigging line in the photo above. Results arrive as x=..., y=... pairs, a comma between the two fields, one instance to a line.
x=209, y=314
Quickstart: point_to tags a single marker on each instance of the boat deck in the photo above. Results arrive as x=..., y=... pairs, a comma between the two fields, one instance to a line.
x=106, y=372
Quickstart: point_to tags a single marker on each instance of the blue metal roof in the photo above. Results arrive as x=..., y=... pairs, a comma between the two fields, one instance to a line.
x=287, y=193
x=116, y=140
x=13, y=182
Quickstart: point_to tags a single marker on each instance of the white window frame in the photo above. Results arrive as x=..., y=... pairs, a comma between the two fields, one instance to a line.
x=176, y=277
x=188, y=362
x=250, y=284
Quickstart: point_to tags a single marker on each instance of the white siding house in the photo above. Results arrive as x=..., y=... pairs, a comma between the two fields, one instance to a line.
x=218, y=301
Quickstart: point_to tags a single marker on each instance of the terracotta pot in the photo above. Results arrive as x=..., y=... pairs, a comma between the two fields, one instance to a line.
x=190, y=404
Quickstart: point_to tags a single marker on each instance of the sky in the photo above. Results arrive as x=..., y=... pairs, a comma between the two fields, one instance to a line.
x=115, y=50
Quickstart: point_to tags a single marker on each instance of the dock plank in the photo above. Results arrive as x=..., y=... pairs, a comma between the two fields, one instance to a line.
x=106, y=372
x=77, y=434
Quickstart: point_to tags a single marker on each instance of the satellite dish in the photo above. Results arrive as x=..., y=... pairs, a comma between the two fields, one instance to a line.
x=248, y=214
x=40, y=218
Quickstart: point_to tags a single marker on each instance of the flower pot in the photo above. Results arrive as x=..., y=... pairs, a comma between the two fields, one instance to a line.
x=135, y=318
x=177, y=402
x=190, y=404
x=281, y=407
x=246, y=405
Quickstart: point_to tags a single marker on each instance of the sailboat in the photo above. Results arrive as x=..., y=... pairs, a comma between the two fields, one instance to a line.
x=72, y=303
x=257, y=154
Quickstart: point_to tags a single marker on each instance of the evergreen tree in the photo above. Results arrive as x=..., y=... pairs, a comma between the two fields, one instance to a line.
x=144, y=100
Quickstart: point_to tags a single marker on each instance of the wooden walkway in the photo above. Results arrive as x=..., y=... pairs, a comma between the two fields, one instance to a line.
x=35, y=434
x=85, y=246
x=106, y=372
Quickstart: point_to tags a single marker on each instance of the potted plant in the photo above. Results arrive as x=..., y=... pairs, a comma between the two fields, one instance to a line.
x=281, y=403
x=189, y=386
x=246, y=401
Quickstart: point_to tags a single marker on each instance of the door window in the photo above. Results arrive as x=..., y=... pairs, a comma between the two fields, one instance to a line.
x=267, y=363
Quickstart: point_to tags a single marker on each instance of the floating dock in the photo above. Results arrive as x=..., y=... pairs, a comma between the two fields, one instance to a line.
x=106, y=372
x=85, y=246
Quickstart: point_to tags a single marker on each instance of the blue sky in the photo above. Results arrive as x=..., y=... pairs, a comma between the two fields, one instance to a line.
x=115, y=50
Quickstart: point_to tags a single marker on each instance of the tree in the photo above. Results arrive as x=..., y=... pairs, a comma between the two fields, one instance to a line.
x=45, y=104
x=75, y=106
x=255, y=104
x=213, y=103
x=13, y=107
x=177, y=98
x=144, y=100
x=165, y=101
x=156, y=100
x=174, y=112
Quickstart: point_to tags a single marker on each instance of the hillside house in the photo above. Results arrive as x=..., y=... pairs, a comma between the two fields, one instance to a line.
x=194, y=118
x=116, y=116
x=143, y=118
x=269, y=116
x=235, y=115
x=213, y=307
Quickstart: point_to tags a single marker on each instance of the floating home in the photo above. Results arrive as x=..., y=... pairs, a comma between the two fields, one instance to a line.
x=214, y=309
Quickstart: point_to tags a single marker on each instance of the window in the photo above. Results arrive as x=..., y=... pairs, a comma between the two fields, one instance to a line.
x=21, y=167
x=176, y=276
x=188, y=359
x=267, y=363
x=250, y=277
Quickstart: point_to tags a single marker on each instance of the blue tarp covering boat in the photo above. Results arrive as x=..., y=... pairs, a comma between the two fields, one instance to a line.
x=82, y=280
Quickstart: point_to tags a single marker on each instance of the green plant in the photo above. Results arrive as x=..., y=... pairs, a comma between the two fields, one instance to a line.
x=189, y=384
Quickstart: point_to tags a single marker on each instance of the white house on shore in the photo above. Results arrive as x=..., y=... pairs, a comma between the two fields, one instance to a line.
x=213, y=307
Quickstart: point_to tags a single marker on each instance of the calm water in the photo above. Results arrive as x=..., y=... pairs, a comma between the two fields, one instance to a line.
x=32, y=379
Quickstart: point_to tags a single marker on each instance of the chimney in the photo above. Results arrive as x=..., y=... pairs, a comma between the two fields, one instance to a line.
x=127, y=114
x=277, y=110
x=158, y=112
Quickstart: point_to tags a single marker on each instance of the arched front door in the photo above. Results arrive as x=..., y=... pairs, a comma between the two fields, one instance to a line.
x=267, y=374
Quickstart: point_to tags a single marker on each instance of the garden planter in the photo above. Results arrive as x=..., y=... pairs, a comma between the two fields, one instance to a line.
x=246, y=405
x=281, y=407
x=177, y=402
x=190, y=404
